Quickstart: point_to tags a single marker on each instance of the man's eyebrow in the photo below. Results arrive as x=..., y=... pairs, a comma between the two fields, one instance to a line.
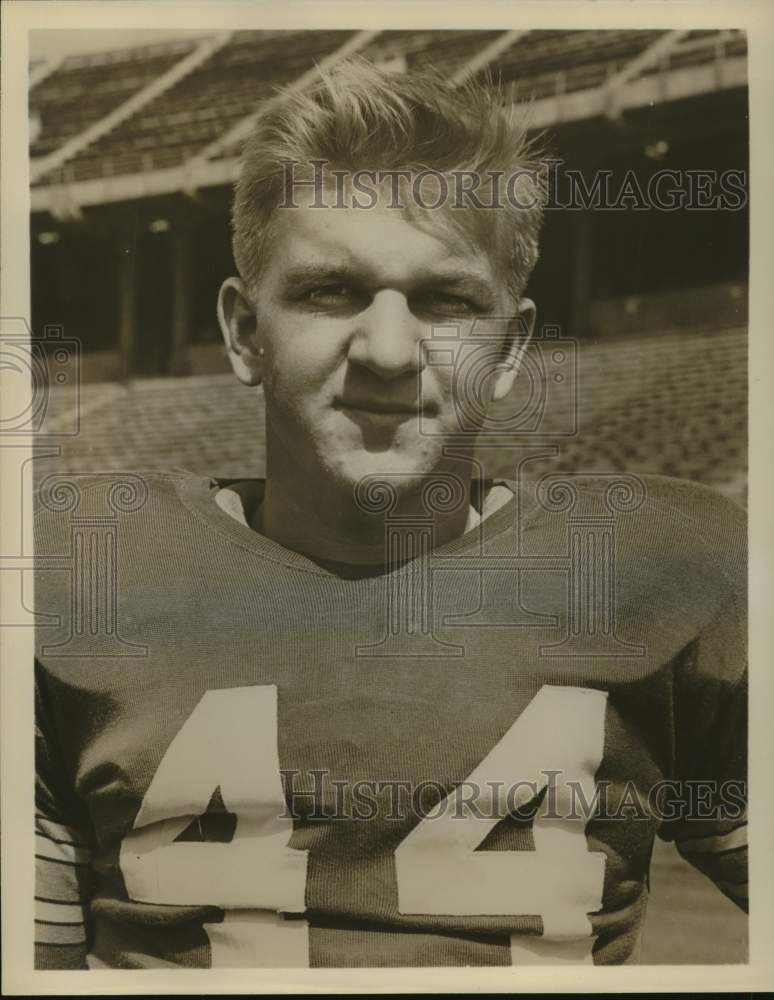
x=309, y=273
x=473, y=283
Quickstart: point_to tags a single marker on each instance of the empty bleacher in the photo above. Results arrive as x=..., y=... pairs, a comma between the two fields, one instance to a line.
x=547, y=63
x=83, y=89
x=700, y=47
x=408, y=50
x=445, y=50
x=673, y=403
x=203, y=105
x=544, y=63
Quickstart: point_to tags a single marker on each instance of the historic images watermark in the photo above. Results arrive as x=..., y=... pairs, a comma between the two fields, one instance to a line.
x=663, y=190
x=31, y=428
x=51, y=360
x=316, y=794
x=549, y=184
x=544, y=400
x=589, y=625
x=91, y=626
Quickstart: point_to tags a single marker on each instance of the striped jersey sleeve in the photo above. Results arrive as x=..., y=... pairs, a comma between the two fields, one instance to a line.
x=62, y=889
x=720, y=852
x=63, y=859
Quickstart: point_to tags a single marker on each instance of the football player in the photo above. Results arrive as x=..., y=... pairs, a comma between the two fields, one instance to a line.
x=375, y=709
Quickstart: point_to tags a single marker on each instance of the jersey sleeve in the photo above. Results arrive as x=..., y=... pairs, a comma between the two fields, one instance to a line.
x=63, y=854
x=709, y=828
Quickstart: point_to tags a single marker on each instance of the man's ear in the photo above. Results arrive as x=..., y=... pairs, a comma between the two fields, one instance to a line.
x=238, y=324
x=516, y=340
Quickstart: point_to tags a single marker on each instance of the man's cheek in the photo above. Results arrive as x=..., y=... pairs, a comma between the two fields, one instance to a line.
x=286, y=388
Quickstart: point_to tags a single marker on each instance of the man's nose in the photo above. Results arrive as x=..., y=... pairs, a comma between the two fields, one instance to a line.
x=388, y=337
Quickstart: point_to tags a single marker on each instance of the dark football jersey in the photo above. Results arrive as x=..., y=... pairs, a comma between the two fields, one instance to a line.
x=247, y=758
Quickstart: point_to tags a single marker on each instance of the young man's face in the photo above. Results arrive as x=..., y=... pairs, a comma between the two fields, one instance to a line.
x=343, y=311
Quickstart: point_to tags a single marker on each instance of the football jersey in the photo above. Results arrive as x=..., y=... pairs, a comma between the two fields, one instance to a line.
x=249, y=758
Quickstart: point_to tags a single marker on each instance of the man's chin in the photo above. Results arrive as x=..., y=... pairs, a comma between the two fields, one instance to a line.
x=404, y=471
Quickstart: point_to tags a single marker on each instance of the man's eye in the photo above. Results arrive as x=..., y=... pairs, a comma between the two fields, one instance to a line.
x=451, y=305
x=330, y=294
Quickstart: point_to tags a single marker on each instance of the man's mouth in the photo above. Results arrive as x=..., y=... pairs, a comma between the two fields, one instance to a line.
x=382, y=409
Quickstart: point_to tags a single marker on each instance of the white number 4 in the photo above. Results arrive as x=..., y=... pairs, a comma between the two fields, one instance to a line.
x=559, y=736
x=230, y=742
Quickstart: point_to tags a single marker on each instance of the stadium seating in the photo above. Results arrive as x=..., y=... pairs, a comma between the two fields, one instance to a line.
x=547, y=63
x=551, y=62
x=86, y=88
x=700, y=47
x=407, y=50
x=673, y=403
x=446, y=50
x=202, y=106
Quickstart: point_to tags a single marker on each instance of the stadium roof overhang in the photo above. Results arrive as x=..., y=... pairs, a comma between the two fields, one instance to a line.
x=626, y=91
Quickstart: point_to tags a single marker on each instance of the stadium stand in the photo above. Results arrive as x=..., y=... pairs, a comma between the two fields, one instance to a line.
x=85, y=88
x=673, y=405
x=203, y=104
x=700, y=47
x=549, y=62
x=226, y=87
x=446, y=50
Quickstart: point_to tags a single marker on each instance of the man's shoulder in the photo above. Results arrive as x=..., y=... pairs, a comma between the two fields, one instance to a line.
x=659, y=527
x=686, y=535
x=688, y=516
x=64, y=501
x=607, y=494
x=690, y=497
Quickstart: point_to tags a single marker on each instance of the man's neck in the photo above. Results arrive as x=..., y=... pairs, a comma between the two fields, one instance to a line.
x=328, y=524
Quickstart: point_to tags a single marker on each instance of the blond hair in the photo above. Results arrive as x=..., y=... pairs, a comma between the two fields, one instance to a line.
x=359, y=117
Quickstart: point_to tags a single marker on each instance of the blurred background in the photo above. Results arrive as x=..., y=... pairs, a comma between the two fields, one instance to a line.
x=134, y=146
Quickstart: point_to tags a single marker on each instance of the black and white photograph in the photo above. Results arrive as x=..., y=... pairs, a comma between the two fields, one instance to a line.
x=378, y=533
